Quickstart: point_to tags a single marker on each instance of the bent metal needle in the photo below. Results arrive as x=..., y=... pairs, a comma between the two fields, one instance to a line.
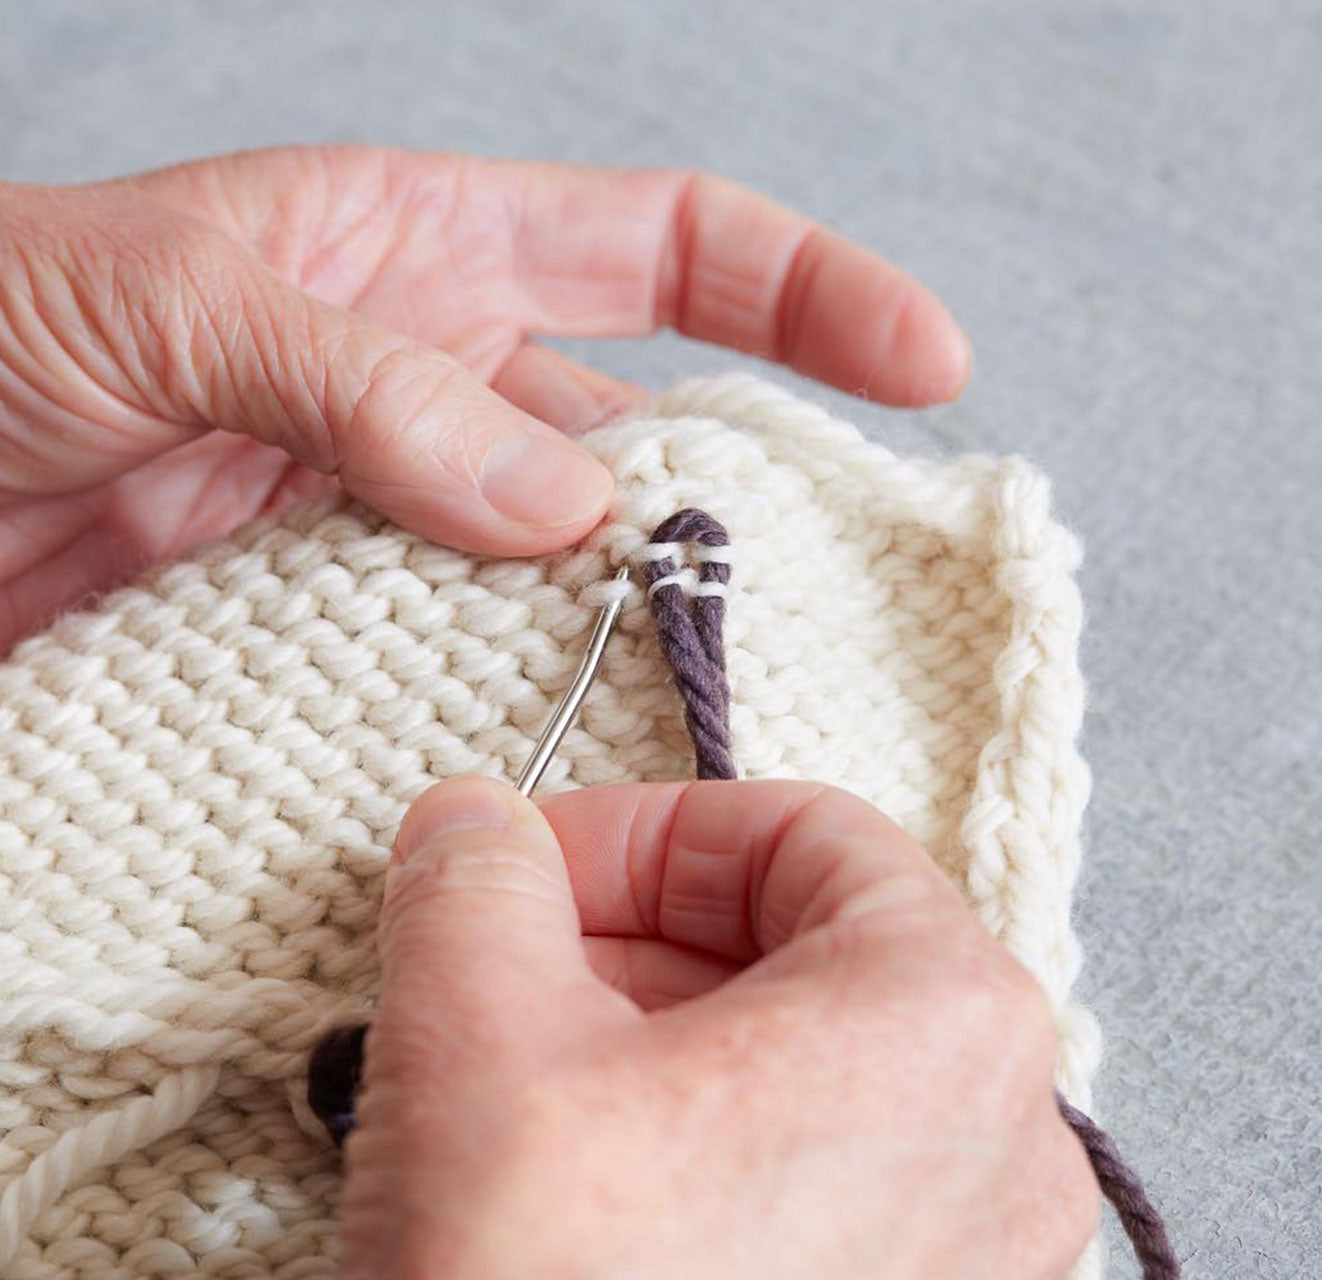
x=563, y=716
x=335, y=1067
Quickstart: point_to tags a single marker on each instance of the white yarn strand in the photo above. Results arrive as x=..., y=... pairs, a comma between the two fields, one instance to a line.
x=650, y=552
x=688, y=582
x=107, y=1137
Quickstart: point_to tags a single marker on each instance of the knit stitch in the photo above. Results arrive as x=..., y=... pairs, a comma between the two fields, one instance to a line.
x=200, y=782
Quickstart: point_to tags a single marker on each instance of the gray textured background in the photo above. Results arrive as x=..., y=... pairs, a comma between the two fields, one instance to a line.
x=1122, y=202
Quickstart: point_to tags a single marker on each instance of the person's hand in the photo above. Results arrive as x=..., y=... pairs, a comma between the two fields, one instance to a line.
x=184, y=349
x=781, y=1047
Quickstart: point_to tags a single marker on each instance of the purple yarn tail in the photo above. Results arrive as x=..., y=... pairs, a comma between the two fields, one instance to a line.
x=1123, y=1188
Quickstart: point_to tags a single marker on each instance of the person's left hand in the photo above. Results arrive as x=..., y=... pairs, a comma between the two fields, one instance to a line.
x=184, y=349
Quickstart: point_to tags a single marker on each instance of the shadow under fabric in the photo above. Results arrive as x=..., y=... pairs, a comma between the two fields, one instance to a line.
x=200, y=782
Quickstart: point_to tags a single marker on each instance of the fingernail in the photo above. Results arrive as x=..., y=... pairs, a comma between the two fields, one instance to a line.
x=950, y=357
x=462, y=804
x=538, y=478
x=967, y=374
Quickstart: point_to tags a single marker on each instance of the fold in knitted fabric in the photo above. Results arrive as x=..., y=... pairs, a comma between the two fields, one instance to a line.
x=201, y=779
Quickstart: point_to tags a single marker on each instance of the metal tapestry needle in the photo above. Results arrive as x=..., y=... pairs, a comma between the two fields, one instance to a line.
x=564, y=714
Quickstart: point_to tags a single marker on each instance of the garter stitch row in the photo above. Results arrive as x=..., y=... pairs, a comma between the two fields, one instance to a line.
x=200, y=782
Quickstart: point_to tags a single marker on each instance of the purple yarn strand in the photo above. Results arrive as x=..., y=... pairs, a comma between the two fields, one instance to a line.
x=1123, y=1188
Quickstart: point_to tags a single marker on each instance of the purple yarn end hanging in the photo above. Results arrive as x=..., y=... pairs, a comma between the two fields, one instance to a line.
x=1122, y=1187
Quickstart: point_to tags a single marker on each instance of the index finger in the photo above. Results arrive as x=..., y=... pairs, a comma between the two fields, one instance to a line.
x=737, y=869
x=618, y=252
x=576, y=250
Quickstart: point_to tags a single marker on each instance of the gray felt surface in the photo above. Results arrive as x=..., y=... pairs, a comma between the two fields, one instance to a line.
x=1122, y=202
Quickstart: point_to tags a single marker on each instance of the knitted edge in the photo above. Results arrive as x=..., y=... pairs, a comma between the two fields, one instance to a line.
x=1019, y=879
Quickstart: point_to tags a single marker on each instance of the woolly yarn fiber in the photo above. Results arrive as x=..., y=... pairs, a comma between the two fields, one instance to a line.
x=200, y=782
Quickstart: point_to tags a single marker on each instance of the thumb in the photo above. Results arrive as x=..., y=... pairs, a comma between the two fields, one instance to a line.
x=148, y=326
x=480, y=944
x=407, y=428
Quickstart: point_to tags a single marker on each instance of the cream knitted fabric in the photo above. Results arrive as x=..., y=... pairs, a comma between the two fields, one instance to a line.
x=200, y=782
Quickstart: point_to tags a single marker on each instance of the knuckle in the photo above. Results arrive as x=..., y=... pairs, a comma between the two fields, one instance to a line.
x=119, y=272
x=1051, y=1212
x=825, y=869
x=999, y=1004
x=1081, y=1204
x=391, y=405
x=825, y=803
x=1021, y=993
x=827, y=810
x=907, y=894
x=1051, y=1207
x=177, y=296
x=1027, y=1003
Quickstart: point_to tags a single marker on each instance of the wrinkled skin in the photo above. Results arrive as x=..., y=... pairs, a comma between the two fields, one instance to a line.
x=717, y=1029
x=183, y=349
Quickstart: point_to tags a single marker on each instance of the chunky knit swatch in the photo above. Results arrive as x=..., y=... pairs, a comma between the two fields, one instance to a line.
x=200, y=783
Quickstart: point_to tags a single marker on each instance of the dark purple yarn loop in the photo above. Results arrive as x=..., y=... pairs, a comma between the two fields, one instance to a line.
x=690, y=635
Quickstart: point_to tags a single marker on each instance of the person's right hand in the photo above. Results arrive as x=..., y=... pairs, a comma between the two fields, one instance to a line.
x=716, y=1029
